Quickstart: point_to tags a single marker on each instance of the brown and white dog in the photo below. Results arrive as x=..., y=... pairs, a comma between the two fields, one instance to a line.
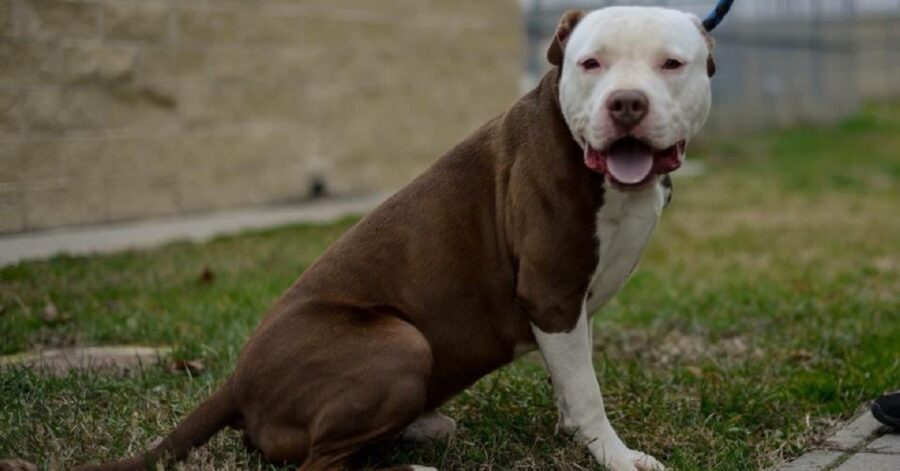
x=506, y=244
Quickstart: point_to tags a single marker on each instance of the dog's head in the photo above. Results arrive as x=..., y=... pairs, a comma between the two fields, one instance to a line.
x=633, y=88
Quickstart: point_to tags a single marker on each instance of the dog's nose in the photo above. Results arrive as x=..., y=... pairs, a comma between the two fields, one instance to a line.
x=627, y=107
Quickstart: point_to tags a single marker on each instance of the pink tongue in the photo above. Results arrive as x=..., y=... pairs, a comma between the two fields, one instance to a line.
x=629, y=165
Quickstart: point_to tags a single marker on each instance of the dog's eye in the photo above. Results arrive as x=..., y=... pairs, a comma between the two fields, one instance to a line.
x=672, y=64
x=590, y=64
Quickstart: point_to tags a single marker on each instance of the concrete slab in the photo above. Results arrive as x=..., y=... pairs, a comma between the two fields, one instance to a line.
x=871, y=462
x=855, y=434
x=889, y=443
x=195, y=227
x=813, y=461
x=861, y=441
x=117, y=360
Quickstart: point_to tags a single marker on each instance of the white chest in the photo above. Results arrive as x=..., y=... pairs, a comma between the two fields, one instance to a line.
x=624, y=225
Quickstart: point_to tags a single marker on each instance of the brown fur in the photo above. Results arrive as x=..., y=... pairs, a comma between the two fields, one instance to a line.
x=711, y=45
x=428, y=293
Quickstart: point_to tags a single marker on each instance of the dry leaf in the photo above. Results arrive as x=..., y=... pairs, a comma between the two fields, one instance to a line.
x=50, y=313
x=191, y=366
x=695, y=371
x=207, y=276
x=801, y=355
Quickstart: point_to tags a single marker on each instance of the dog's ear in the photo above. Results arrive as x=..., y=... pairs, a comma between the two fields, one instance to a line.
x=710, y=61
x=566, y=25
x=711, y=45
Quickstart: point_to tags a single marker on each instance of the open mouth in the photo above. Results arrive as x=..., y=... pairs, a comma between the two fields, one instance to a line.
x=630, y=163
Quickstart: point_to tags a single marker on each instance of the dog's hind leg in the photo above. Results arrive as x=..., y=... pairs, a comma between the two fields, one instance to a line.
x=346, y=426
x=378, y=390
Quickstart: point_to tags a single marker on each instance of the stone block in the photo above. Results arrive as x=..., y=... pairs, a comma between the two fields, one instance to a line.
x=815, y=460
x=44, y=110
x=211, y=26
x=139, y=159
x=91, y=107
x=248, y=165
x=100, y=64
x=6, y=18
x=10, y=116
x=12, y=215
x=274, y=31
x=31, y=163
x=871, y=462
x=255, y=65
x=54, y=19
x=9, y=158
x=372, y=174
x=28, y=63
x=236, y=101
x=143, y=198
x=137, y=21
x=85, y=160
x=855, y=433
x=169, y=67
x=73, y=204
x=888, y=443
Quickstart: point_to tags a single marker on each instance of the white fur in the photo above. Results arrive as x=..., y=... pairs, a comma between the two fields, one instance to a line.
x=632, y=44
x=624, y=224
x=568, y=357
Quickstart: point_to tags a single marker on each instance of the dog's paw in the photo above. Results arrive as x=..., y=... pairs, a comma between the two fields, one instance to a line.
x=430, y=427
x=645, y=462
x=617, y=457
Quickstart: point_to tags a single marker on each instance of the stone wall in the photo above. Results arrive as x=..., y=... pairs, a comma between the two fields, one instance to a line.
x=122, y=109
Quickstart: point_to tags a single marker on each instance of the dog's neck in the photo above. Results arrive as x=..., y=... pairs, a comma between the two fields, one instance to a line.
x=540, y=142
x=547, y=94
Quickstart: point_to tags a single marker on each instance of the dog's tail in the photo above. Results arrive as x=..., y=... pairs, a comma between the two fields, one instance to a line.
x=212, y=415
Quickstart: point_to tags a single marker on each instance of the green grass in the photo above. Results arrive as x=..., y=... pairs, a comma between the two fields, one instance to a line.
x=765, y=311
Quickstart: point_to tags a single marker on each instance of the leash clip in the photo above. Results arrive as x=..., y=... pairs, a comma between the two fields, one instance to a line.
x=717, y=15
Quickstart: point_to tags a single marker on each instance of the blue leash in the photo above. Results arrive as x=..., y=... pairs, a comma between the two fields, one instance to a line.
x=717, y=15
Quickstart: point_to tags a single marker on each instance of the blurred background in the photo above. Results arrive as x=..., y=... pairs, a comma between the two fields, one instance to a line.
x=766, y=310
x=114, y=110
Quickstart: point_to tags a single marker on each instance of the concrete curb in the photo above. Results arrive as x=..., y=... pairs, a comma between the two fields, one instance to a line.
x=199, y=227
x=863, y=444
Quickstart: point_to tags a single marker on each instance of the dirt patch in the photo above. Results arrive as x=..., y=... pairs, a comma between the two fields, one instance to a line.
x=676, y=347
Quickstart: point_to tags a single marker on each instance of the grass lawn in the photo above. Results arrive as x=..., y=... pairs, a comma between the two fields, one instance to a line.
x=765, y=311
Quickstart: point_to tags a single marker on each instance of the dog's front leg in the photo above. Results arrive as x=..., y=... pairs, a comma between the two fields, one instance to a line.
x=568, y=357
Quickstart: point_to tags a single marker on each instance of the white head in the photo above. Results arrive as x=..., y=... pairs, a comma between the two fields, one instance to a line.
x=633, y=88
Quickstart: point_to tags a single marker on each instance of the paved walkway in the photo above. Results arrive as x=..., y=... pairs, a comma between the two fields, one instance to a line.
x=861, y=445
x=195, y=227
